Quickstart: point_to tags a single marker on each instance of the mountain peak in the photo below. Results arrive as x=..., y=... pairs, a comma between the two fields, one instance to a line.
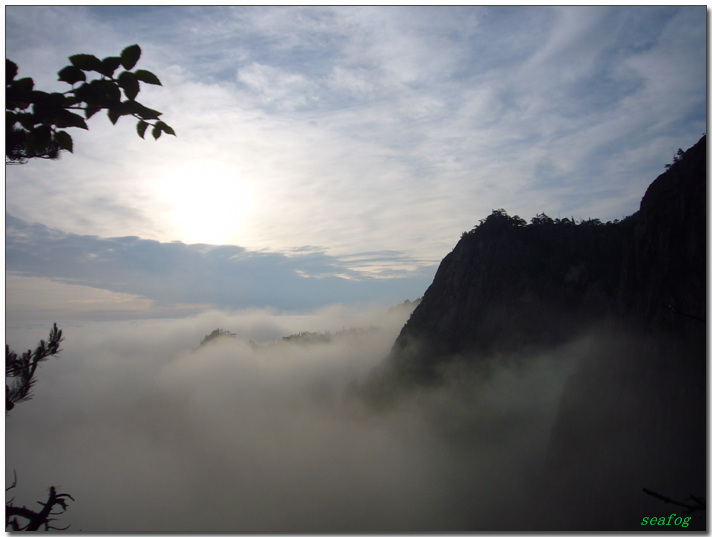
x=509, y=285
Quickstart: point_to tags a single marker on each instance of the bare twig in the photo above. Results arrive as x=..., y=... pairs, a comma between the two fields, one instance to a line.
x=690, y=508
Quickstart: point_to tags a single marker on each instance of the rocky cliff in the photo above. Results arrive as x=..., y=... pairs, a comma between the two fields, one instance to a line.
x=510, y=286
x=608, y=321
x=663, y=275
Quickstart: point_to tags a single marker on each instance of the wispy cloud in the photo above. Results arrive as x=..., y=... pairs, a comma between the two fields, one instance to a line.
x=366, y=128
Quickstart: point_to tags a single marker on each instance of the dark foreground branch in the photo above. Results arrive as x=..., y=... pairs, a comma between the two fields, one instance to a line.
x=34, y=520
x=699, y=504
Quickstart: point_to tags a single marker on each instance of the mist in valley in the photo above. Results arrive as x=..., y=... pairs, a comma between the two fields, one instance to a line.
x=151, y=432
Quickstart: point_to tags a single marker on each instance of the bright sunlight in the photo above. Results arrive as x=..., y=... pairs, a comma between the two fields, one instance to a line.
x=209, y=201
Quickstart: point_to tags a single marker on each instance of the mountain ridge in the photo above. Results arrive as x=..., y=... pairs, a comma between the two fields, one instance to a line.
x=599, y=332
x=508, y=285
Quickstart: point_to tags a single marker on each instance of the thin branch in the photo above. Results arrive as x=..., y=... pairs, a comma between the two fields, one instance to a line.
x=675, y=310
x=14, y=481
x=690, y=508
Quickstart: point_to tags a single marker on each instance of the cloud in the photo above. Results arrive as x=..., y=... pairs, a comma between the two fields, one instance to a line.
x=275, y=87
x=360, y=128
x=350, y=81
x=149, y=433
x=133, y=415
x=174, y=274
x=153, y=436
x=39, y=300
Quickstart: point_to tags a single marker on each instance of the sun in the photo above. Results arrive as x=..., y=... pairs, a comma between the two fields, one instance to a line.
x=209, y=203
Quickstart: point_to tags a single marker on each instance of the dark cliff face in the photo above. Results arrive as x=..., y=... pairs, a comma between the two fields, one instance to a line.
x=633, y=415
x=608, y=322
x=511, y=286
x=508, y=286
x=663, y=276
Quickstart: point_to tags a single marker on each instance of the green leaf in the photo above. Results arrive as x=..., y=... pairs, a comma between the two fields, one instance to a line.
x=88, y=93
x=90, y=111
x=86, y=62
x=141, y=128
x=38, y=139
x=50, y=100
x=18, y=94
x=108, y=92
x=12, y=103
x=72, y=75
x=64, y=140
x=156, y=132
x=39, y=97
x=120, y=109
x=127, y=108
x=65, y=118
x=129, y=82
x=130, y=55
x=26, y=120
x=70, y=99
x=130, y=107
x=146, y=113
x=10, y=70
x=46, y=106
x=109, y=65
x=114, y=115
x=140, y=111
x=147, y=76
x=165, y=128
x=23, y=84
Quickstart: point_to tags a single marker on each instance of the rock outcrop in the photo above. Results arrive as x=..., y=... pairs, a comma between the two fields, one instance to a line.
x=663, y=276
x=510, y=286
x=621, y=309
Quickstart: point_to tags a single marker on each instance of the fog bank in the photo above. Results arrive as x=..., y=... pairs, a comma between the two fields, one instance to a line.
x=148, y=432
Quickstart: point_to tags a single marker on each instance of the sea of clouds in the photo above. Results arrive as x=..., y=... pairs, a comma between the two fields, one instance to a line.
x=149, y=431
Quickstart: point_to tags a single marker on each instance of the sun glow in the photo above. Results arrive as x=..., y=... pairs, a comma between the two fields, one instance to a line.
x=209, y=202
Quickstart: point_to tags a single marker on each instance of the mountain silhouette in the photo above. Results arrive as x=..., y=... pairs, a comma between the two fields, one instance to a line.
x=618, y=310
x=509, y=286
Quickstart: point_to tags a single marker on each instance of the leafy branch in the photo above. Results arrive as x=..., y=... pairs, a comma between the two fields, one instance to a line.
x=21, y=369
x=675, y=159
x=35, y=120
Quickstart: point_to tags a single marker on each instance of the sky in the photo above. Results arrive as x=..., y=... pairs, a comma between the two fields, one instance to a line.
x=336, y=154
